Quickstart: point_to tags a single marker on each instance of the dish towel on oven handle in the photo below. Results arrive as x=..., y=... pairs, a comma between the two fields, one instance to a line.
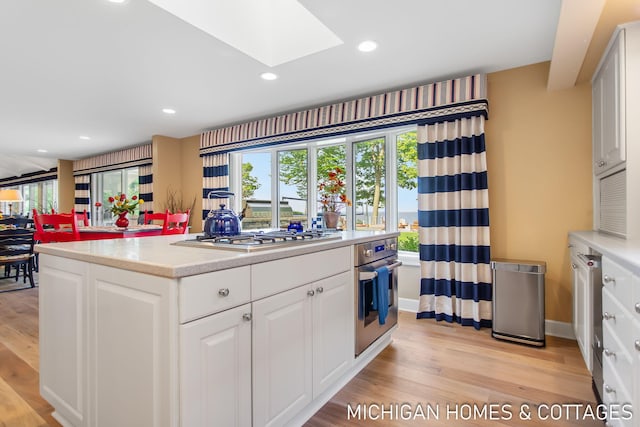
x=381, y=293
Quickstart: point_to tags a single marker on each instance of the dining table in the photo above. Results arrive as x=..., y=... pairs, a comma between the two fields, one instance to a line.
x=101, y=232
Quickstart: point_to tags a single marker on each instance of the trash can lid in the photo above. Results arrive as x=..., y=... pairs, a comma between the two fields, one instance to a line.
x=523, y=266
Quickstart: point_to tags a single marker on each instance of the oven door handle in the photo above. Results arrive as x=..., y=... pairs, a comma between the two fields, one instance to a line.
x=369, y=275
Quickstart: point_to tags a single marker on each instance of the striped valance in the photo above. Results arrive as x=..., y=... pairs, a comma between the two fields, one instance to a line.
x=28, y=178
x=130, y=157
x=456, y=98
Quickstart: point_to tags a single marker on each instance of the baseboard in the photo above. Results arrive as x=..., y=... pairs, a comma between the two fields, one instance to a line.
x=552, y=327
x=408, y=304
x=559, y=329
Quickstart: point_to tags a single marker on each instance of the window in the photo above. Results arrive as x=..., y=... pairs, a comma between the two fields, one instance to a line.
x=380, y=174
x=41, y=196
x=369, y=177
x=108, y=184
x=256, y=190
x=292, y=179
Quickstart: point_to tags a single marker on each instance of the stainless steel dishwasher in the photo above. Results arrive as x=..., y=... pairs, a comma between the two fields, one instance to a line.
x=518, y=301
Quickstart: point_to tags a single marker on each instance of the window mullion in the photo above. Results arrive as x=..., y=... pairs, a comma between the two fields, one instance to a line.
x=391, y=201
x=275, y=190
x=312, y=183
x=350, y=178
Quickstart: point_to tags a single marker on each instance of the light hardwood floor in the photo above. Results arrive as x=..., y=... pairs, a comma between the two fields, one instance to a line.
x=430, y=365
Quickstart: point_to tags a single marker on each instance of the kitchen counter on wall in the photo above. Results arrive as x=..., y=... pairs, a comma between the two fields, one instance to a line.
x=159, y=257
x=624, y=252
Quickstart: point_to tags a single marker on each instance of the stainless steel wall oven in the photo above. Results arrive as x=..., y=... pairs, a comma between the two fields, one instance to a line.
x=376, y=296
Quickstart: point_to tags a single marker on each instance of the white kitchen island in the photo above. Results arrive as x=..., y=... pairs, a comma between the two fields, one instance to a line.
x=140, y=332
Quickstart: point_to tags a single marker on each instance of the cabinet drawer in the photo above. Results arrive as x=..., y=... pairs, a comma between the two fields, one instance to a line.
x=617, y=280
x=616, y=395
x=210, y=293
x=577, y=247
x=635, y=301
x=619, y=321
x=273, y=277
x=620, y=361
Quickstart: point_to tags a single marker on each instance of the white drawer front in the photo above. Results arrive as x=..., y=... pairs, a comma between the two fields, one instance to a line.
x=617, y=280
x=273, y=277
x=214, y=292
x=577, y=247
x=619, y=320
x=613, y=351
x=615, y=395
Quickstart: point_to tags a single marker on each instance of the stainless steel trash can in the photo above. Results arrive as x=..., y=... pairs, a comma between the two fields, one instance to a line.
x=518, y=301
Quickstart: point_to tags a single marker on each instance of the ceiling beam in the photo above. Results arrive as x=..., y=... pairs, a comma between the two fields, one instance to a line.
x=576, y=25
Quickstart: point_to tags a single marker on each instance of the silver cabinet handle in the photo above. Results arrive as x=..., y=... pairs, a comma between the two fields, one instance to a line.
x=637, y=345
x=573, y=266
x=224, y=292
x=637, y=307
x=608, y=353
x=609, y=389
x=247, y=317
x=319, y=289
x=311, y=292
x=608, y=279
x=601, y=163
x=569, y=246
x=608, y=316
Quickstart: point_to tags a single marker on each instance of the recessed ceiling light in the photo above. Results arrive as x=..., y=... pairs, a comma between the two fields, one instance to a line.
x=117, y=1
x=168, y=111
x=41, y=150
x=84, y=137
x=367, y=46
x=268, y=76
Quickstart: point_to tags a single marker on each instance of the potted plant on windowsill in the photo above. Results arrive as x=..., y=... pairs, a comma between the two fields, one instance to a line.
x=332, y=193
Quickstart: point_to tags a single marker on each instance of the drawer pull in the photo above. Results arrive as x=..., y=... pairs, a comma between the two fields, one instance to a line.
x=637, y=307
x=637, y=345
x=224, y=292
x=574, y=266
x=609, y=353
x=319, y=289
x=609, y=389
x=246, y=317
x=311, y=293
x=608, y=316
x=608, y=279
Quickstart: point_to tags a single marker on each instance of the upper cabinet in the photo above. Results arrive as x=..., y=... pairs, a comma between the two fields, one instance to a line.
x=616, y=135
x=608, y=87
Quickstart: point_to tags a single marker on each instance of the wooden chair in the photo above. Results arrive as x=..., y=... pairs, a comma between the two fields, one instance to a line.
x=176, y=223
x=16, y=250
x=59, y=227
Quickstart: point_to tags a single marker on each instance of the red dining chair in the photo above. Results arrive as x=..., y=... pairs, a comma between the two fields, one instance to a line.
x=82, y=218
x=177, y=223
x=59, y=227
x=150, y=217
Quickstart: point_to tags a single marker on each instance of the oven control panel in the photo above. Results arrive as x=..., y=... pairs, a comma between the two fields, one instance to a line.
x=375, y=250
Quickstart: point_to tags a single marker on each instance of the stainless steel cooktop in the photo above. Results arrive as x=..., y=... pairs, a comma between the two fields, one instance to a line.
x=255, y=241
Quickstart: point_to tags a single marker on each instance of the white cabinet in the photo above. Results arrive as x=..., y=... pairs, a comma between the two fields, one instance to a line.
x=582, y=321
x=302, y=342
x=608, y=97
x=620, y=332
x=215, y=370
x=582, y=304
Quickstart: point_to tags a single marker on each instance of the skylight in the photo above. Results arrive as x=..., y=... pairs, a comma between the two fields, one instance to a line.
x=270, y=31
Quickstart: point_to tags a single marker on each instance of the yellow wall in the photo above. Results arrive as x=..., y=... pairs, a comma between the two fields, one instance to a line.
x=539, y=166
x=66, y=186
x=192, y=179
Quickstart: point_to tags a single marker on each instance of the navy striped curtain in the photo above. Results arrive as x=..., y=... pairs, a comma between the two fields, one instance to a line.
x=145, y=183
x=215, y=173
x=82, y=199
x=453, y=216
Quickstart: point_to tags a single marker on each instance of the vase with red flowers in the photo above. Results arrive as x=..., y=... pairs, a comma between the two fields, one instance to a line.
x=121, y=205
x=333, y=196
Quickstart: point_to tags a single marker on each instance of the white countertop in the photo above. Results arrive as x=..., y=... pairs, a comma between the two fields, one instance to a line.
x=623, y=252
x=158, y=257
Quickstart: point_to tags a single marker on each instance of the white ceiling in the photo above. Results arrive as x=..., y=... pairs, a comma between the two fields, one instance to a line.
x=71, y=68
